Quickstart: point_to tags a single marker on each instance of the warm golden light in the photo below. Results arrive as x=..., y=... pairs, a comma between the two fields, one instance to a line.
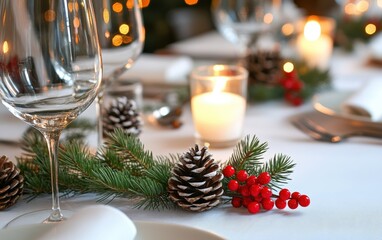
x=117, y=40
x=73, y=6
x=379, y=3
x=106, y=15
x=358, y=8
x=117, y=7
x=5, y=47
x=50, y=15
x=76, y=22
x=191, y=2
x=107, y=34
x=124, y=29
x=362, y=6
x=144, y=3
x=312, y=30
x=287, y=29
x=350, y=9
x=288, y=67
x=127, y=39
x=370, y=29
x=130, y=4
x=268, y=18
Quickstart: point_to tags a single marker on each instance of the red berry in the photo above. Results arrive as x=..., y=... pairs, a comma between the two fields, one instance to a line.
x=280, y=204
x=296, y=85
x=295, y=195
x=251, y=180
x=237, y=202
x=304, y=201
x=233, y=185
x=258, y=198
x=292, y=203
x=287, y=83
x=253, y=207
x=264, y=178
x=246, y=201
x=228, y=171
x=255, y=190
x=242, y=175
x=266, y=192
x=297, y=101
x=267, y=204
x=244, y=191
x=284, y=194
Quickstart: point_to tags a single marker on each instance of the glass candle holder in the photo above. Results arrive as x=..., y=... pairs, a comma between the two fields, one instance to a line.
x=315, y=41
x=218, y=103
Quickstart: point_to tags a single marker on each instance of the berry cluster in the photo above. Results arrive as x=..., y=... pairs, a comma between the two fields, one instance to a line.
x=255, y=194
x=293, y=87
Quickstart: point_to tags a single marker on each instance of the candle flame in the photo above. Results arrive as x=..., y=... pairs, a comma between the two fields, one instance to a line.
x=312, y=30
x=220, y=84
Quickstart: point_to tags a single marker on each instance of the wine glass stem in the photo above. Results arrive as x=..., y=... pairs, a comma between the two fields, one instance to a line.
x=52, y=138
x=99, y=116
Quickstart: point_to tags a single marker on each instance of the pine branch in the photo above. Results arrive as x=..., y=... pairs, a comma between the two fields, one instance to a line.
x=131, y=151
x=247, y=154
x=279, y=167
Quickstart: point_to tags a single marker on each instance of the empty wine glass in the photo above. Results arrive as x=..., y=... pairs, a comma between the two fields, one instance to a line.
x=121, y=36
x=243, y=21
x=50, y=72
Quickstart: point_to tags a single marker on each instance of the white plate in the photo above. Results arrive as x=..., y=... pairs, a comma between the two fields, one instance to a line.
x=329, y=103
x=145, y=230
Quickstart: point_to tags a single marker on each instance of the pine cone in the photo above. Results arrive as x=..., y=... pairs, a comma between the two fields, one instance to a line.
x=196, y=182
x=122, y=113
x=264, y=67
x=11, y=183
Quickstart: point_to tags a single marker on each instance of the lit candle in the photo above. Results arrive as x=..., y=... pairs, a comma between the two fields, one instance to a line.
x=218, y=113
x=314, y=46
x=218, y=116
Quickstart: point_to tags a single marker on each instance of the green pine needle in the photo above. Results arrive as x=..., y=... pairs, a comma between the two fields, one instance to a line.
x=248, y=154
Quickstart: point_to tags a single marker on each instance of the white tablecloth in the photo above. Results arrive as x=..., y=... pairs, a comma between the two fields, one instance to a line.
x=343, y=180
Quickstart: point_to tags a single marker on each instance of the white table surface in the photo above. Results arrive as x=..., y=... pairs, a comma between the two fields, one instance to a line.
x=343, y=180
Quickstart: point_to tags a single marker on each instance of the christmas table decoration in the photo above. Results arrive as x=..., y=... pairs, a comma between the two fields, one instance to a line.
x=124, y=168
x=11, y=183
x=273, y=77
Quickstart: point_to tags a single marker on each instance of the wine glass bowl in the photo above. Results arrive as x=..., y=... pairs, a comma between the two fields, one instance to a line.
x=121, y=35
x=243, y=21
x=50, y=70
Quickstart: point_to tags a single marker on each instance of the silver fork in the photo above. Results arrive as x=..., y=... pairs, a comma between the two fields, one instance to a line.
x=320, y=133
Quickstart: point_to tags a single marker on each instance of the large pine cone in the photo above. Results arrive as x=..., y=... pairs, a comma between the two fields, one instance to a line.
x=264, y=67
x=122, y=113
x=11, y=183
x=196, y=182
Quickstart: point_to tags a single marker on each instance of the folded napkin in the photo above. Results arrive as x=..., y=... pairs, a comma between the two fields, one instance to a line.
x=367, y=101
x=94, y=223
x=160, y=69
x=375, y=47
x=210, y=45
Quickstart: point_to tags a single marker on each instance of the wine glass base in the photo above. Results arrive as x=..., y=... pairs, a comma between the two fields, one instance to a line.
x=36, y=217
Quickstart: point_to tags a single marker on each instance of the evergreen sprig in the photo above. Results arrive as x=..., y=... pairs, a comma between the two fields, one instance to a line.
x=124, y=168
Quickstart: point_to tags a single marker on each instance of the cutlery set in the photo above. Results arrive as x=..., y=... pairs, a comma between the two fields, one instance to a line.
x=335, y=129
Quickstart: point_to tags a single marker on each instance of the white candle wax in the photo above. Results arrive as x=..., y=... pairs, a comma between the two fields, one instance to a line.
x=218, y=116
x=315, y=52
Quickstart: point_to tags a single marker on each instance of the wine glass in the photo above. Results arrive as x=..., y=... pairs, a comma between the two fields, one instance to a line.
x=121, y=36
x=242, y=22
x=50, y=72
